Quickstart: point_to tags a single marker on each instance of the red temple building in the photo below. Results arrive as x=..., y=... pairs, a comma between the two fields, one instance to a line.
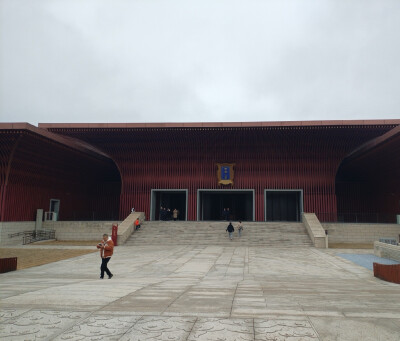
x=261, y=171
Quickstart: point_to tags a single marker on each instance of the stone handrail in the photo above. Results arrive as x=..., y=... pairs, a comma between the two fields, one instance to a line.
x=315, y=230
x=126, y=228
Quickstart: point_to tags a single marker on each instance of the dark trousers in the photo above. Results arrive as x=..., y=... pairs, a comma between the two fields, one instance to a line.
x=103, y=267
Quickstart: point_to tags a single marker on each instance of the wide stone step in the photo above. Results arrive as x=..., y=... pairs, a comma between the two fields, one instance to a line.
x=279, y=234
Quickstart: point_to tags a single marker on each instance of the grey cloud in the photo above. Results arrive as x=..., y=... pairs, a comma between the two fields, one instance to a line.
x=153, y=61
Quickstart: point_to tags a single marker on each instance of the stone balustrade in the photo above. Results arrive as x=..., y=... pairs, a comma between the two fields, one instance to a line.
x=315, y=230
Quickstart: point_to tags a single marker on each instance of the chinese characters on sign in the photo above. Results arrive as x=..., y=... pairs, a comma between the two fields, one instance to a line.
x=225, y=173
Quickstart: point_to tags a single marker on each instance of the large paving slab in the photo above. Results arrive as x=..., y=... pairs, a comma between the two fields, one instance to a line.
x=201, y=293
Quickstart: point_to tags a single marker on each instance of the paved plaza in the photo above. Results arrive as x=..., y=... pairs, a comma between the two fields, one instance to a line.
x=201, y=293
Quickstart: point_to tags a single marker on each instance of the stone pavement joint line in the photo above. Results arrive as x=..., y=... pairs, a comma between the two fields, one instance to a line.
x=201, y=292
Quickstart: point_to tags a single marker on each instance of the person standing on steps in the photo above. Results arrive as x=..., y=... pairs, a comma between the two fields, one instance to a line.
x=137, y=224
x=240, y=228
x=106, y=247
x=227, y=214
x=230, y=229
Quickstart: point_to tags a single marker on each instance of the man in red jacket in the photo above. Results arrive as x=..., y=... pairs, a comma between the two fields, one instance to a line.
x=106, y=247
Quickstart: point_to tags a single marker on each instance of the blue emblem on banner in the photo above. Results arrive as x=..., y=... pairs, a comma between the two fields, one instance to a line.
x=225, y=173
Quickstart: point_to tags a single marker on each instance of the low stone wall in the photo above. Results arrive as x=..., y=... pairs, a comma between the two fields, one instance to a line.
x=8, y=228
x=385, y=250
x=93, y=230
x=71, y=230
x=314, y=229
x=360, y=233
x=79, y=230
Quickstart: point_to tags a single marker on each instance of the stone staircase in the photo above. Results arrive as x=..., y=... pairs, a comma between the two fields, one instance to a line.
x=276, y=234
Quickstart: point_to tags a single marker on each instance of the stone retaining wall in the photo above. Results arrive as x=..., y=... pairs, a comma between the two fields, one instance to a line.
x=387, y=251
x=7, y=228
x=71, y=230
x=79, y=230
x=360, y=233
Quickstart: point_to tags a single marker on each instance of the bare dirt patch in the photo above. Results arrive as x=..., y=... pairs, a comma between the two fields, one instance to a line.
x=350, y=246
x=28, y=258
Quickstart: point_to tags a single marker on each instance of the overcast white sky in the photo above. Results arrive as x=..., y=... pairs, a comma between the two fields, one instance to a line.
x=199, y=60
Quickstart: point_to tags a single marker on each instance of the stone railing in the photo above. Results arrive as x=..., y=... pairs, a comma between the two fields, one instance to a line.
x=126, y=228
x=315, y=230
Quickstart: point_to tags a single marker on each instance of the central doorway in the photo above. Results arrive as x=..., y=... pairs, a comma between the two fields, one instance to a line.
x=211, y=204
x=283, y=205
x=169, y=198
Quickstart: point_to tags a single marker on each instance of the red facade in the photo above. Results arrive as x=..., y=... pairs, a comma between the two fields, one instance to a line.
x=304, y=157
x=37, y=167
x=136, y=159
x=368, y=181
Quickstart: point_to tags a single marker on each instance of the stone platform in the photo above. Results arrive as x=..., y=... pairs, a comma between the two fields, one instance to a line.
x=166, y=292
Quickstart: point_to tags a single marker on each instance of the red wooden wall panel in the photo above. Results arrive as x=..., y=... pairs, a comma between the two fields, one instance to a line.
x=35, y=170
x=369, y=184
x=302, y=157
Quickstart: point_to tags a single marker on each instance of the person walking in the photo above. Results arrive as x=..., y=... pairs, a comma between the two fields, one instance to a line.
x=240, y=228
x=106, y=247
x=230, y=229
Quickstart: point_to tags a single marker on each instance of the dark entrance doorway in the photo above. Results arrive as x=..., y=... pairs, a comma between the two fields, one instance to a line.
x=283, y=205
x=170, y=199
x=212, y=204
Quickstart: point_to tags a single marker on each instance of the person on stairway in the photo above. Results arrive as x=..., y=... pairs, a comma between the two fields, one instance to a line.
x=230, y=230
